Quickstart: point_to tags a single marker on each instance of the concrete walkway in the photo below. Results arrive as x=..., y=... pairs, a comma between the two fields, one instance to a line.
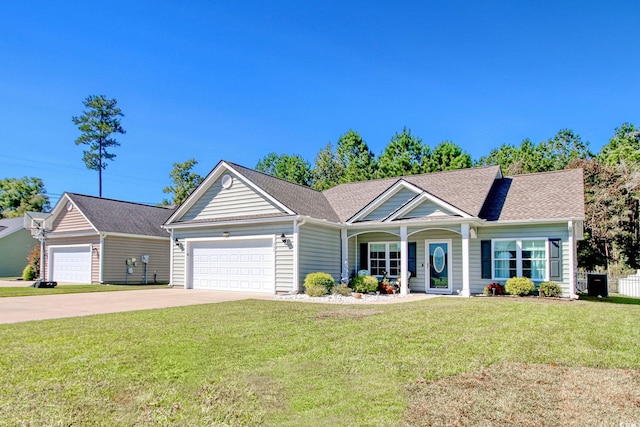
x=24, y=309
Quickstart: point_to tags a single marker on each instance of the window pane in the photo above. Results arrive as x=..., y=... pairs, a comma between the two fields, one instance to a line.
x=504, y=255
x=534, y=259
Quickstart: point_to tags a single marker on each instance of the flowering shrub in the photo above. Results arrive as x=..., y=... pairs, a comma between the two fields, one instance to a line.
x=385, y=287
x=494, y=289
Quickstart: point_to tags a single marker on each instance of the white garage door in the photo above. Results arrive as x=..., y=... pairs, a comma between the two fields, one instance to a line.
x=235, y=266
x=70, y=264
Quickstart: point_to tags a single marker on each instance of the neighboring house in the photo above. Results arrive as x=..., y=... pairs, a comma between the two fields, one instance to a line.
x=16, y=244
x=455, y=231
x=95, y=240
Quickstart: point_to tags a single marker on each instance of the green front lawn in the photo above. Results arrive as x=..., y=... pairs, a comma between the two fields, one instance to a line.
x=23, y=291
x=276, y=363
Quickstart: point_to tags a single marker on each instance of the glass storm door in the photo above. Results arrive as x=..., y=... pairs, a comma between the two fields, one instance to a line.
x=438, y=264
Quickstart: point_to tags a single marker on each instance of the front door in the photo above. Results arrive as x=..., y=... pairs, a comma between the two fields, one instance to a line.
x=438, y=266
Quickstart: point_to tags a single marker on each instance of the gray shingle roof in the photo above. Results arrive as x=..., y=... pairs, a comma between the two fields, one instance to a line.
x=116, y=216
x=10, y=225
x=547, y=195
x=300, y=199
x=466, y=189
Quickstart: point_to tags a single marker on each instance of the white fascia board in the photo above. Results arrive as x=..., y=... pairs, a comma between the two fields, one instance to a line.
x=445, y=221
x=323, y=222
x=176, y=226
x=135, y=236
x=530, y=221
x=216, y=173
x=62, y=203
x=65, y=234
x=383, y=197
x=426, y=196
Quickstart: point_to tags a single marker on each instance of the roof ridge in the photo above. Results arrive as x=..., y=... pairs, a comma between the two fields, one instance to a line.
x=543, y=172
x=271, y=176
x=118, y=201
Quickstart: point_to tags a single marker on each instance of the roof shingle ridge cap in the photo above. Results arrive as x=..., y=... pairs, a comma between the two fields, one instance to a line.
x=544, y=172
x=273, y=177
x=118, y=201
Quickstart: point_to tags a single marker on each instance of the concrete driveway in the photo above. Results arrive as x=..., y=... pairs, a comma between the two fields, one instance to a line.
x=24, y=309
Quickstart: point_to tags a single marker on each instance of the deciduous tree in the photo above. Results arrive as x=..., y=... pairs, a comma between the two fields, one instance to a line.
x=624, y=145
x=98, y=122
x=292, y=168
x=184, y=182
x=18, y=196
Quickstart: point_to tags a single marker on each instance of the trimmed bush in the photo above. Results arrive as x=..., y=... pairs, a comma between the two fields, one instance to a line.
x=341, y=289
x=364, y=284
x=550, y=289
x=519, y=286
x=29, y=273
x=314, y=290
x=320, y=279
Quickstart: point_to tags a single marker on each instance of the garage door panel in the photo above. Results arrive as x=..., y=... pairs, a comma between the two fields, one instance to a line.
x=71, y=264
x=238, y=265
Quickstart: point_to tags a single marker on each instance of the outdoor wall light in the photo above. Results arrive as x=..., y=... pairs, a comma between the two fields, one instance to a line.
x=225, y=234
x=177, y=242
x=284, y=238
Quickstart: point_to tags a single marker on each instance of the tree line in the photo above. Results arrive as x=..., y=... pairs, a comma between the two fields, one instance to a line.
x=612, y=176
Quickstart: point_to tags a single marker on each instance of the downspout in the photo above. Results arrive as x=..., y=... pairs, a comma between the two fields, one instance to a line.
x=572, y=261
x=296, y=253
x=101, y=255
x=171, y=260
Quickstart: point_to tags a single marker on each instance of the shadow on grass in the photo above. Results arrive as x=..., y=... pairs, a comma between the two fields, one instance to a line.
x=613, y=299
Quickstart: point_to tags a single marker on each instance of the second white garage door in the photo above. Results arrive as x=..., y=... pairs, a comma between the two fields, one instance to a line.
x=244, y=265
x=70, y=264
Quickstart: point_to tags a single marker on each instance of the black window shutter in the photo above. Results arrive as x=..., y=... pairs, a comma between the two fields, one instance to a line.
x=364, y=256
x=412, y=258
x=555, y=259
x=485, y=255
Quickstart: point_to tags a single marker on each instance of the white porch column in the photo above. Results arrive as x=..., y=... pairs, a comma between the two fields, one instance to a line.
x=466, y=280
x=404, y=261
x=345, y=255
x=572, y=260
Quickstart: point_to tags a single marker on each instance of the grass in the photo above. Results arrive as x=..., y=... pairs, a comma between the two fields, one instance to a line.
x=444, y=361
x=23, y=291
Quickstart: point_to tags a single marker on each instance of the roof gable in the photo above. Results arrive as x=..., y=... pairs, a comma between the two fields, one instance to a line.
x=110, y=216
x=9, y=226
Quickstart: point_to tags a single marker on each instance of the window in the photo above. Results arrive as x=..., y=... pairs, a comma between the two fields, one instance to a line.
x=526, y=258
x=384, y=257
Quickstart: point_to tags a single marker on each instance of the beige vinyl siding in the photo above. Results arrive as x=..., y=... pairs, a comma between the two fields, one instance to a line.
x=94, y=241
x=14, y=249
x=545, y=231
x=283, y=253
x=117, y=249
x=319, y=250
x=72, y=220
x=427, y=208
x=390, y=205
x=238, y=200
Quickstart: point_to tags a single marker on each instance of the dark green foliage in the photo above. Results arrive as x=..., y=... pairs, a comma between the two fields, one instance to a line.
x=404, y=155
x=18, y=196
x=519, y=286
x=364, y=284
x=356, y=159
x=98, y=122
x=448, y=156
x=315, y=290
x=29, y=273
x=184, y=182
x=342, y=289
x=623, y=147
x=327, y=171
x=292, y=168
x=550, y=289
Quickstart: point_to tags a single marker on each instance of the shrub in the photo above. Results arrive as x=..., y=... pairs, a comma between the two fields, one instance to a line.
x=550, y=289
x=321, y=279
x=28, y=273
x=364, y=284
x=494, y=289
x=314, y=290
x=519, y=286
x=342, y=289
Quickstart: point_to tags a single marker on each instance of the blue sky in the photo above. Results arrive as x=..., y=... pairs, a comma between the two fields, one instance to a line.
x=235, y=80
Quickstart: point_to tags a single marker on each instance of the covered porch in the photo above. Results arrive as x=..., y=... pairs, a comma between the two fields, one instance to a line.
x=436, y=258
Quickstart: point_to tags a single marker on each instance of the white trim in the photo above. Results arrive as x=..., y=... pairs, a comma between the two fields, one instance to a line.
x=427, y=266
x=404, y=261
x=383, y=197
x=172, y=260
x=188, y=242
x=518, y=241
x=216, y=173
x=207, y=224
x=344, y=241
x=572, y=261
x=529, y=221
x=466, y=276
x=421, y=198
x=135, y=236
x=386, y=255
x=65, y=234
x=84, y=245
x=101, y=260
x=296, y=253
x=61, y=205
